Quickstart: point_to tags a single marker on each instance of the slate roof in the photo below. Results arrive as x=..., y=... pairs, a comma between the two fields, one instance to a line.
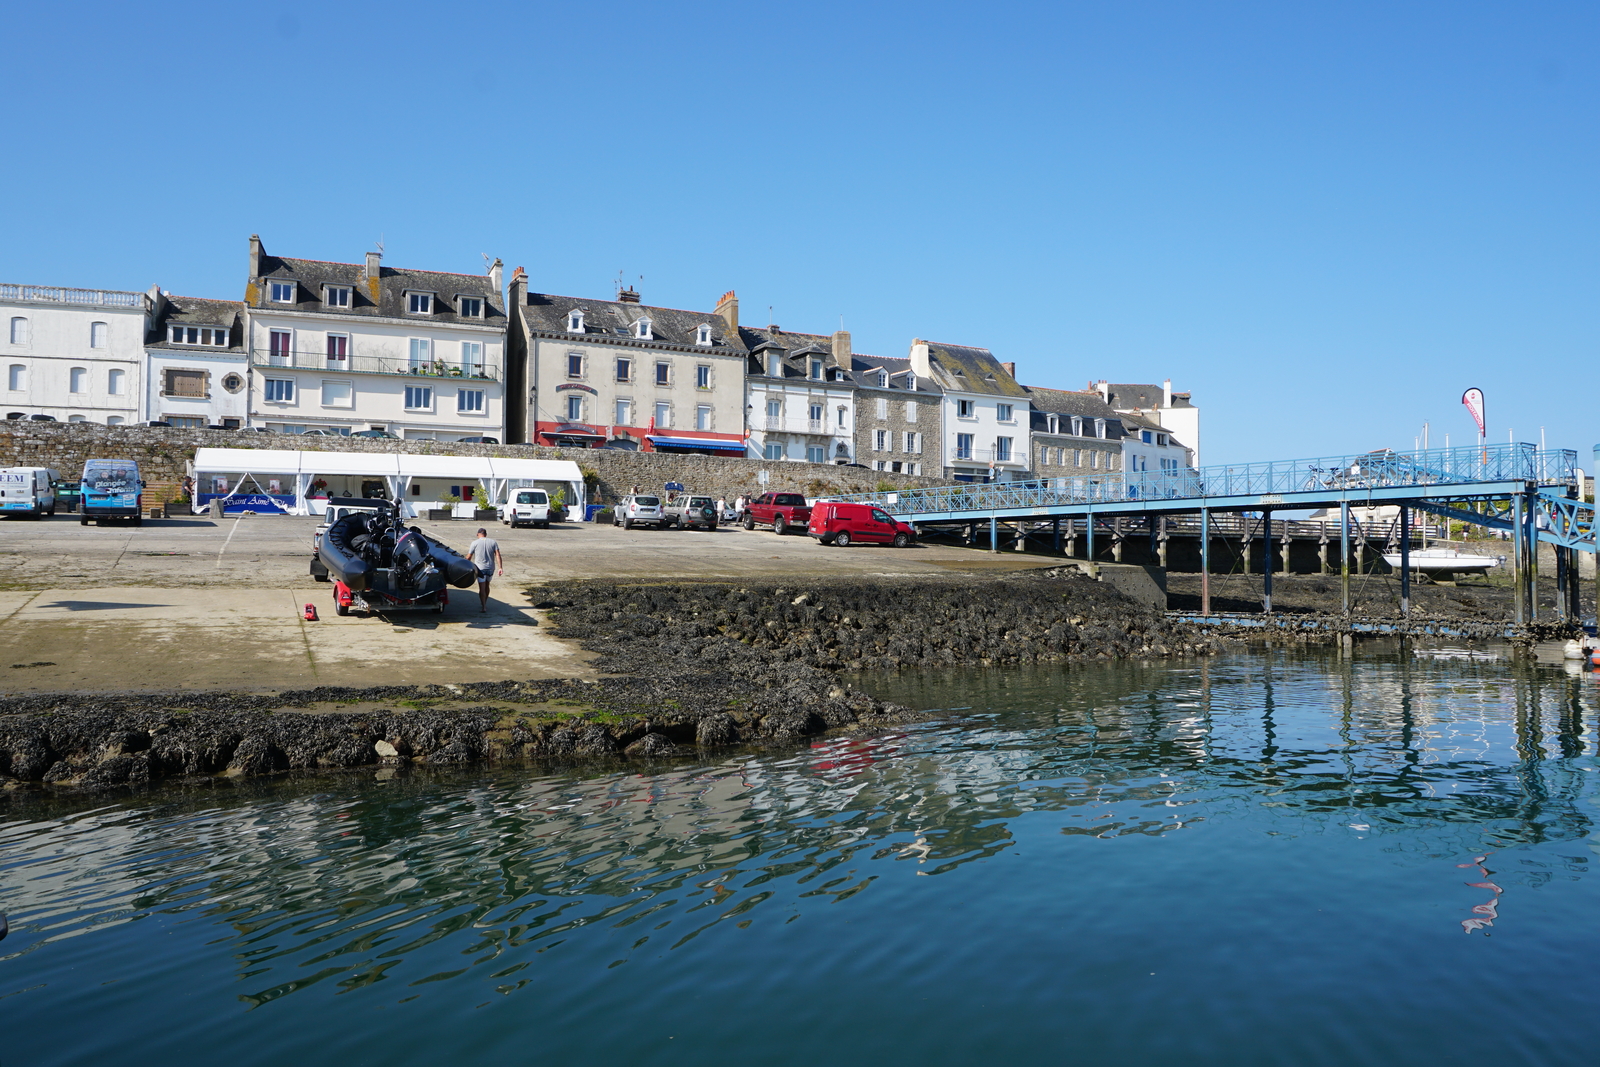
x=864, y=368
x=197, y=311
x=390, y=300
x=614, y=320
x=798, y=349
x=1147, y=397
x=971, y=370
x=1069, y=402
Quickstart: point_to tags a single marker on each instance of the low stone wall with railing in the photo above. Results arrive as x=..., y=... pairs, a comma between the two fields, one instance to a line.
x=164, y=455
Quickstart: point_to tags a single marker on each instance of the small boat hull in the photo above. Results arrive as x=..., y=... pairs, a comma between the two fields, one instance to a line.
x=1427, y=559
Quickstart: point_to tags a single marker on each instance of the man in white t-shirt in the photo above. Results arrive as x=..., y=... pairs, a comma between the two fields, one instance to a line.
x=485, y=555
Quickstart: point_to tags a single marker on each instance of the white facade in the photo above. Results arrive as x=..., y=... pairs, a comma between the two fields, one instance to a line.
x=808, y=420
x=223, y=401
x=986, y=429
x=1149, y=447
x=74, y=354
x=415, y=379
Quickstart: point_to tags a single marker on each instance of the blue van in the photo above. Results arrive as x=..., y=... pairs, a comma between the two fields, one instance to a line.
x=111, y=490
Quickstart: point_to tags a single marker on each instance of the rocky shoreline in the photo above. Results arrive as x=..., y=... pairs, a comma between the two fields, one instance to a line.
x=691, y=665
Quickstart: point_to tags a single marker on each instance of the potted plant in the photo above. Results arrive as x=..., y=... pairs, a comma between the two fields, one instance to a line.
x=558, y=506
x=485, y=510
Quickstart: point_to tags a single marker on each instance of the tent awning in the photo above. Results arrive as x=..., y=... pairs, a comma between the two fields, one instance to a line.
x=697, y=442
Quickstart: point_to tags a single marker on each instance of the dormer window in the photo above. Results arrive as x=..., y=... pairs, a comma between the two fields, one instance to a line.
x=838, y=374
x=1099, y=427
x=883, y=379
x=336, y=296
x=1053, y=423
x=471, y=307
x=419, y=303
x=575, y=321
x=775, y=366
x=816, y=370
x=1161, y=439
x=702, y=336
x=1077, y=426
x=641, y=330
x=282, y=292
x=198, y=335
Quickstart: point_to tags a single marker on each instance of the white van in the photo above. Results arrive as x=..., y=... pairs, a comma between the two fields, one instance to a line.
x=29, y=491
x=527, y=507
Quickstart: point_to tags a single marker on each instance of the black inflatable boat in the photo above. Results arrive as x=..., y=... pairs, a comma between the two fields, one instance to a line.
x=378, y=563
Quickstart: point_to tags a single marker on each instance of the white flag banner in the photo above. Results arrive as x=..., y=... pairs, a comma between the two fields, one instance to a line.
x=1473, y=399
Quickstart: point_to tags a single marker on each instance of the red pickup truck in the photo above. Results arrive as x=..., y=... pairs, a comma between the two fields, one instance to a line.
x=781, y=511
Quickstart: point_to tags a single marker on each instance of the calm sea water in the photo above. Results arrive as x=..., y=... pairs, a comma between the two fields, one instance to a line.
x=1267, y=859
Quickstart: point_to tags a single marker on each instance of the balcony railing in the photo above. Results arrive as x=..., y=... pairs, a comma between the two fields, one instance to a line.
x=49, y=294
x=988, y=455
x=781, y=424
x=432, y=368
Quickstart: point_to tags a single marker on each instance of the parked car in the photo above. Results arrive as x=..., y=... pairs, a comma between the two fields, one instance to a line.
x=381, y=434
x=685, y=511
x=158, y=422
x=319, y=433
x=781, y=511
x=478, y=440
x=843, y=524
x=527, y=507
x=28, y=491
x=112, y=489
x=43, y=418
x=641, y=510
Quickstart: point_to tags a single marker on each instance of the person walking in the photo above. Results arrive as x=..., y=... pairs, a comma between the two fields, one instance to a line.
x=485, y=555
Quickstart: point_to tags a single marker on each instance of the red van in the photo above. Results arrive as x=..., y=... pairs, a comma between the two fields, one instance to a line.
x=840, y=524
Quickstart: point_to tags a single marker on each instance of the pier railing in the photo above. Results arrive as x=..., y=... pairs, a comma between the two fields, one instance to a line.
x=1381, y=469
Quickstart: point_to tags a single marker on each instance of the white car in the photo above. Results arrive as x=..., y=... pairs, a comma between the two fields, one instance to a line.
x=528, y=507
x=641, y=510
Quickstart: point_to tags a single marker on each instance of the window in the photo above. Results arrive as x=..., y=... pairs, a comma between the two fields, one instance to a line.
x=702, y=377
x=880, y=441
x=336, y=296
x=278, y=344
x=1077, y=457
x=895, y=467
x=816, y=413
x=1161, y=439
x=1146, y=436
x=97, y=335
x=273, y=390
x=882, y=408
x=283, y=292
x=911, y=411
x=663, y=414
x=663, y=374
x=702, y=336
x=575, y=322
x=816, y=370
x=116, y=382
x=114, y=420
x=774, y=409
x=19, y=331
x=574, y=409
x=198, y=335
x=883, y=379
x=1002, y=449
x=966, y=409
x=963, y=446
x=816, y=454
x=419, y=303
x=641, y=329
x=472, y=357
x=471, y=307
x=185, y=422
x=419, y=398
x=1094, y=460
x=913, y=444
x=702, y=417
x=624, y=370
x=775, y=365
x=1077, y=426
x=574, y=364
x=338, y=347
x=17, y=378
x=882, y=466
x=78, y=380
x=772, y=450
x=1002, y=412
x=338, y=395
x=1099, y=427
x=469, y=401
x=421, y=353
x=624, y=413
x=842, y=416
x=1051, y=423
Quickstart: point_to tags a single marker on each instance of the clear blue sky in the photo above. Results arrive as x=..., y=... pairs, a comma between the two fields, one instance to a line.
x=1323, y=220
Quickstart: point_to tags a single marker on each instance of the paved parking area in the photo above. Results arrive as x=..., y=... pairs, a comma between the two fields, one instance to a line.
x=196, y=603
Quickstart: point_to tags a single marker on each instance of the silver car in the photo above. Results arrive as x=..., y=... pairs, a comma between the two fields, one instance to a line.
x=641, y=510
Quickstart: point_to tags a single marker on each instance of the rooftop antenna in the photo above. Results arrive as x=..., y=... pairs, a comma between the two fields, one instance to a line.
x=487, y=262
x=380, y=244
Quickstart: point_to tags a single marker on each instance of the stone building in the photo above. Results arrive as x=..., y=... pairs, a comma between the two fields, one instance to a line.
x=196, y=365
x=801, y=396
x=74, y=355
x=1074, y=435
x=898, y=414
x=624, y=374
x=351, y=346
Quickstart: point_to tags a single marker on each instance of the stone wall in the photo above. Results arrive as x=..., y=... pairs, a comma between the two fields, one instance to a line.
x=163, y=455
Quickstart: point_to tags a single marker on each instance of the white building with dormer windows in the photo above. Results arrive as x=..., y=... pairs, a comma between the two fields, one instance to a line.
x=986, y=423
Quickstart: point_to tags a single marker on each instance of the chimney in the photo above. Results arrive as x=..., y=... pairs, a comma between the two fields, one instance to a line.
x=1011, y=369
x=728, y=309
x=495, y=269
x=920, y=363
x=1104, y=390
x=517, y=296
x=841, y=349
x=374, y=261
x=255, y=256
x=628, y=295
x=1166, y=393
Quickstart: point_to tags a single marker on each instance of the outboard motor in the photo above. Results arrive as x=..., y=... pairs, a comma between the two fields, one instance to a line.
x=412, y=562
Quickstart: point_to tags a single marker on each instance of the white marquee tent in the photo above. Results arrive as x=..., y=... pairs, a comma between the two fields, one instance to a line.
x=274, y=477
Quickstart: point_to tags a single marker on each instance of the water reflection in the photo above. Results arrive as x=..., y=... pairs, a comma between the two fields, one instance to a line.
x=417, y=880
